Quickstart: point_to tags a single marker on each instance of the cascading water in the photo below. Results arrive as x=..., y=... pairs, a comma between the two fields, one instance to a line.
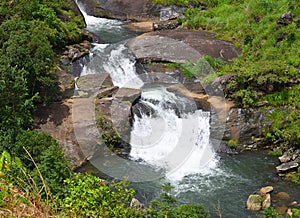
x=169, y=134
x=115, y=60
x=171, y=139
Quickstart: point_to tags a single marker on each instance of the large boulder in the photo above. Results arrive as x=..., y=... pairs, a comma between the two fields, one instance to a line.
x=57, y=120
x=285, y=167
x=244, y=125
x=254, y=202
x=122, y=9
x=180, y=46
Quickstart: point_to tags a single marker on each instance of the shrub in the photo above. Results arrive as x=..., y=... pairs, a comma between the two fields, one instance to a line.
x=89, y=196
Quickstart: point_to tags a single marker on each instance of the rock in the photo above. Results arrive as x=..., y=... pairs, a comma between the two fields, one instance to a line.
x=201, y=100
x=122, y=9
x=107, y=92
x=57, y=120
x=294, y=156
x=146, y=26
x=281, y=210
x=155, y=48
x=165, y=25
x=92, y=83
x=267, y=201
x=285, y=19
x=170, y=12
x=77, y=51
x=282, y=195
x=135, y=203
x=267, y=189
x=244, y=125
x=140, y=109
x=66, y=83
x=179, y=46
x=284, y=158
x=194, y=87
x=128, y=94
x=254, y=202
x=289, y=212
x=294, y=203
x=287, y=166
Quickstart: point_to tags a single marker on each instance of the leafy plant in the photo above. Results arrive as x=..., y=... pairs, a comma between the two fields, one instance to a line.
x=233, y=144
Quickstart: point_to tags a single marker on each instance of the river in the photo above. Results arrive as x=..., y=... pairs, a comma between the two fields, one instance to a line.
x=174, y=139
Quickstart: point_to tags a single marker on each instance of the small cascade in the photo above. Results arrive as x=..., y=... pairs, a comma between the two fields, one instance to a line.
x=115, y=60
x=171, y=139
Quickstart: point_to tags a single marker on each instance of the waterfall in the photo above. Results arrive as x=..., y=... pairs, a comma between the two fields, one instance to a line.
x=175, y=137
x=177, y=143
x=115, y=60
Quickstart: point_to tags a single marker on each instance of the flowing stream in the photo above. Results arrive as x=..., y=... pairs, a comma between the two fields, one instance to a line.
x=169, y=136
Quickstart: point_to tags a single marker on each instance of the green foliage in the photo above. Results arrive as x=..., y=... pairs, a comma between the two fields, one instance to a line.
x=47, y=156
x=177, y=2
x=270, y=212
x=296, y=212
x=233, y=144
x=108, y=133
x=165, y=206
x=89, y=196
x=189, y=211
x=269, y=53
x=275, y=152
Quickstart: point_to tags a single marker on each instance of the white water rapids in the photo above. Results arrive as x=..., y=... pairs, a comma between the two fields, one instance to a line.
x=172, y=138
x=178, y=145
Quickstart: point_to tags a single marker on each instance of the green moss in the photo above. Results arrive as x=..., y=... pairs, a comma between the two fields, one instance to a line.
x=233, y=144
x=275, y=152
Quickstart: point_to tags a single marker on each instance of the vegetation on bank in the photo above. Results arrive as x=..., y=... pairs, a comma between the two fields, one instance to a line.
x=267, y=73
x=268, y=33
x=36, y=180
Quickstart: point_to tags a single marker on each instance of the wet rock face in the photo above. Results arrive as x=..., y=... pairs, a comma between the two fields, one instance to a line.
x=243, y=125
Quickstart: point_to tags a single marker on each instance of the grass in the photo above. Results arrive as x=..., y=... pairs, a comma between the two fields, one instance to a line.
x=269, y=67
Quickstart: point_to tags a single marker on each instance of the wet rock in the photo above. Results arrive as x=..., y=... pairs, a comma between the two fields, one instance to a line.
x=128, y=94
x=285, y=167
x=285, y=158
x=139, y=109
x=254, y=202
x=92, y=83
x=244, y=125
x=266, y=202
x=107, y=92
x=77, y=51
x=281, y=210
x=283, y=195
x=267, y=189
x=221, y=147
x=201, y=100
x=194, y=87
